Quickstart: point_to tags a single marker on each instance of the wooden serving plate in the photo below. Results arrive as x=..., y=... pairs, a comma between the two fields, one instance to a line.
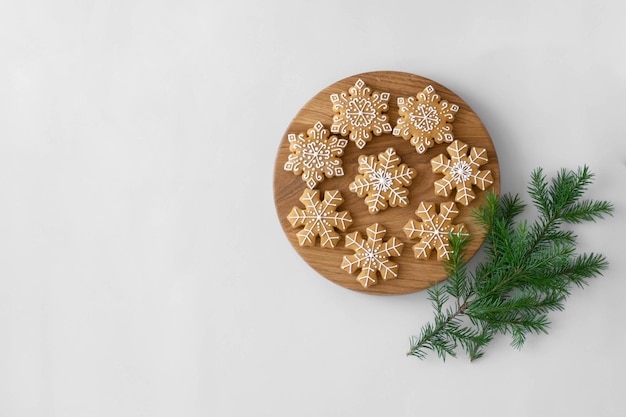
x=413, y=274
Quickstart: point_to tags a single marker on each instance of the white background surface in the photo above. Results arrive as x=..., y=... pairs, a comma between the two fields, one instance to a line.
x=143, y=271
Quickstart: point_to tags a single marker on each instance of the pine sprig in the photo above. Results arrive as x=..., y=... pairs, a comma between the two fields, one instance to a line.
x=527, y=272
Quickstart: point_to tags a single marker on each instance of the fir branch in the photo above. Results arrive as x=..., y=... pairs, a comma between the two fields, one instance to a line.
x=527, y=272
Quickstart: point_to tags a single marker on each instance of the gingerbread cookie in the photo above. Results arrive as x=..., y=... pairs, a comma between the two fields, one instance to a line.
x=319, y=218
x=433, y=229
x=424, y=119
x=371, y=255
x=383, y=181
x=461, y=172
x=315, y=155
x=359, y=113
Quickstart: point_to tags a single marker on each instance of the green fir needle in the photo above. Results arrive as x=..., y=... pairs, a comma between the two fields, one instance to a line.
x=528, y=269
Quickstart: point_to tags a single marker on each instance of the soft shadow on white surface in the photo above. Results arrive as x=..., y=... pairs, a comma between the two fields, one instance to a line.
x=144, y=271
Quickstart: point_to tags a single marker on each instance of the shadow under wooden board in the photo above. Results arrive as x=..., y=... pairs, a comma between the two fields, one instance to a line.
x=412, y=274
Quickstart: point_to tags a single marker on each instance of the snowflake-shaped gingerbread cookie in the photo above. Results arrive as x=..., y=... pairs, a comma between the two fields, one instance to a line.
x=319, y=218
x=424, y=119
x=315, y=155
x=359, y=113
x=433, y=229
x=461, y=171
x=371, y=255
x=383, y=181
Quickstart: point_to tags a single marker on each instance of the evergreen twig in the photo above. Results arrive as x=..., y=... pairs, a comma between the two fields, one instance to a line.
x=527, y=270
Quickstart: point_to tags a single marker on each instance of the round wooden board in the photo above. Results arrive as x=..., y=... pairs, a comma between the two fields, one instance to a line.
x=413, y=274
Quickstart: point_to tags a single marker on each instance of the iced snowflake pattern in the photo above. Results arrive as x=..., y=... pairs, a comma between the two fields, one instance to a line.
x=315, y=155
x=372, y=255
x=320, y=218
x=383, y=181
x=433, y=229
x=359, y=113
x=461, y=171
x=424, y=119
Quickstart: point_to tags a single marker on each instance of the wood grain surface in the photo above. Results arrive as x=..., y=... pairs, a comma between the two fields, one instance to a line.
x=413, y=274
